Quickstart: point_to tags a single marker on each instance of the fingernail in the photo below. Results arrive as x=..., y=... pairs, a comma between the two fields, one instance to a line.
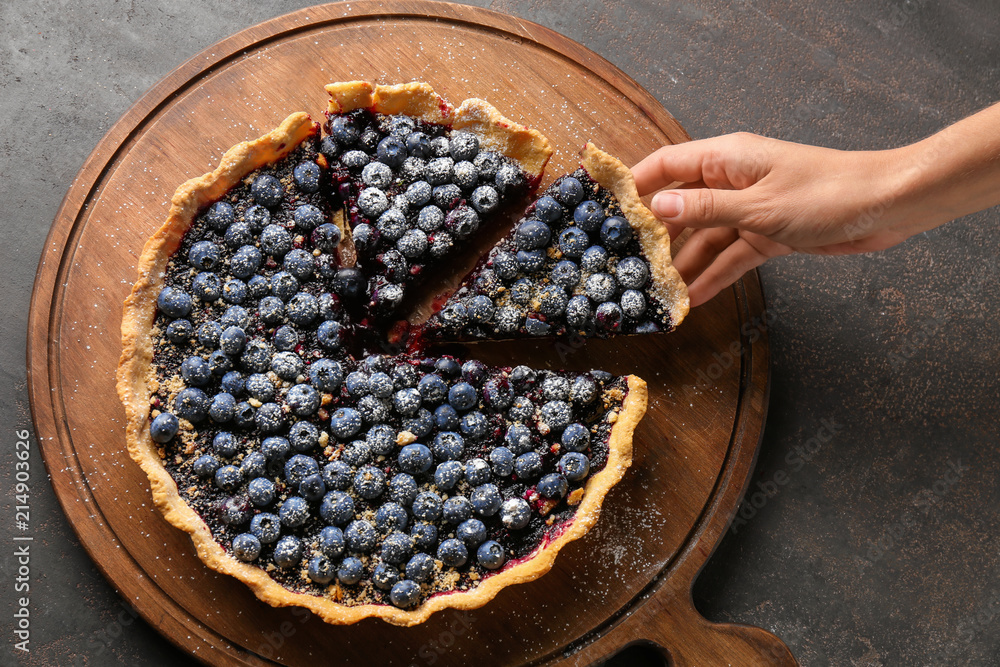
x=668, y=205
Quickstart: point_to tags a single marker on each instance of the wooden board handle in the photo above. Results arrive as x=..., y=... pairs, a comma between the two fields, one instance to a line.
x=669, y=623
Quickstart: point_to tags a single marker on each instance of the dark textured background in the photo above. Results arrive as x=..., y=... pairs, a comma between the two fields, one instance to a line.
x=885, y=366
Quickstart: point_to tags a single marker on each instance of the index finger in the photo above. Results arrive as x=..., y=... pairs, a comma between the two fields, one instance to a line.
x=670, y=164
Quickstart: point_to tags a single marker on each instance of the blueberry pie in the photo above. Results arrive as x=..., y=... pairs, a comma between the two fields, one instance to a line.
x=303, y=457
x=586, y=259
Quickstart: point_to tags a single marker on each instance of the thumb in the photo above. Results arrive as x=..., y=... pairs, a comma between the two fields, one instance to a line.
x=702, y=207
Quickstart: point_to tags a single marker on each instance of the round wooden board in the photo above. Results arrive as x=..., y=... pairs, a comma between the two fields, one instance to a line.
x=628, y=580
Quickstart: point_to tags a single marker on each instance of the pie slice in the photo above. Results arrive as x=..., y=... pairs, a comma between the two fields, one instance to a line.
x=303, y=462
x=588, y=258
x=418, y=178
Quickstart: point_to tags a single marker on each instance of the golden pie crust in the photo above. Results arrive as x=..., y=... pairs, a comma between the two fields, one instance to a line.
x=137, y=382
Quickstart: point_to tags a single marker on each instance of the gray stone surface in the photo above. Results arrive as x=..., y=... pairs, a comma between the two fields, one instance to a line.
x=885, y=366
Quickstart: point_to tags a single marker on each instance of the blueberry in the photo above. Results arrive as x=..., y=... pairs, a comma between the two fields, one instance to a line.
x=502, y=461
x=633, y=303
x=260, y=387
x=430, y=218
x=523, y=376
x=234, y=291
x=265, y=527
x=288, y=552
x=420, y=424
x=515, y=513
x=225, y=444
x=344, y=130
x=377, y=175
x=245, y=262
x=553, y=486
x=448, y=446
x=228, y=478
x=337, y=475
x=275, y=241
x=474, y=425
x=462, y=396
x=328, y=334
x=355, y=160
x=191, y=404
x=522, y=409
x=616, y=232
x=219, y=363
x=609, y=316
x=552, y=300
x=584, y=390
x=365, y=237
x=163, y=428
x=601, y=287
x=432, y=389
x=345, y=422
x=555, y=387
x=463, y=146
x=209, y=334
x=306, y=176
x=452, y=552
x=350, y=571
x=415, y=458
x=556, y=415
x=632, y=273
x=509, y=178
x=427, y=506
x=391, y=151
x=445, y=417
x=232, y=340
x=532, y=234
x=204, y=255
x=566, y=274
x=207, y=286
x=180, y=331
x=350, y=283
x=486, y=500
x=253, y=465
x=484, y=199
x=235, y=316
x=462, y=221
x=407, y=401
x=205, y=466
x=321, y=570
x=402, y=489
x=420, y=567
x=174, y=302
x=578, y=312
x=528, y=465
x=381, y=439
x=257, y=218
x=300, y=264
x=326, y=237
x=294, y=512
x=196, y=371
x=439, y=171
x=222, y=408
x=454, y=316
x=589, y=215
x=369, y=482
x=441, y=244
x=424, y=536
x=331, y=541
x=594, y=259
x=576, y=438
x=405, y=594
x=357, y=383
x=373, y=202
x=275, y=448
x=448, y=474
x=261, y=491
x=574, y=466
x=246, y=547
x=418, y=144
x=269, y=418
x=266, y=190
x=498, y=394
x=384, y=576
x=298, y=467
x=397, y=548
x=238, y=235
x=357, y=453
x=490, y=555
x=480, y=309
x=530, y=261
x=361, y=536
x=337, y=508
x=509, y=319
x=471, y=531
x=570, y=192
x=220, y=215
x=391, y=516
x=287, y=365
x=465, y=176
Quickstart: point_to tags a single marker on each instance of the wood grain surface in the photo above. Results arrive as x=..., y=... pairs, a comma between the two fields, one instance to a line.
x=628, y=581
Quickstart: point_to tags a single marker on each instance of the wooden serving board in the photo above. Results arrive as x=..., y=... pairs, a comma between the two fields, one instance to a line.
x=629, y=580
